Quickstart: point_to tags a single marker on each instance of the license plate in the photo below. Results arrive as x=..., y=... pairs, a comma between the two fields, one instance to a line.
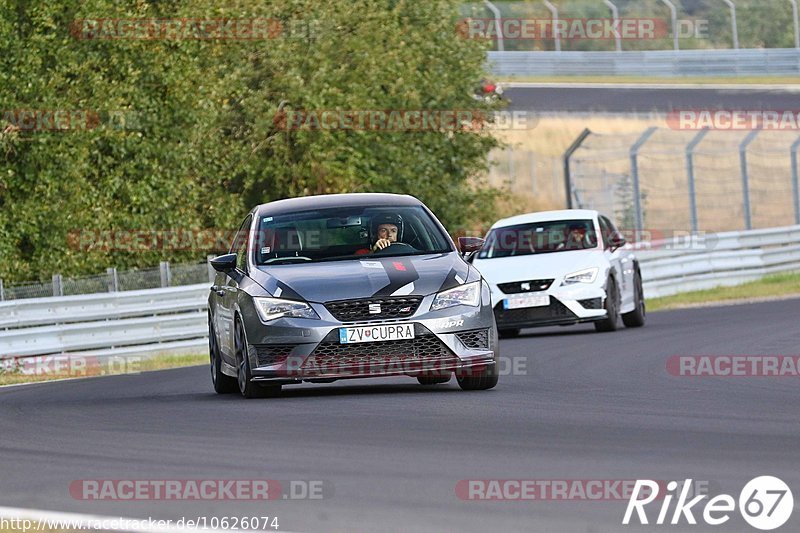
x=524, y=301
x=393, y=332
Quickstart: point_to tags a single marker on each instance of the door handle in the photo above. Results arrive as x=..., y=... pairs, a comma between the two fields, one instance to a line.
x=217, y=289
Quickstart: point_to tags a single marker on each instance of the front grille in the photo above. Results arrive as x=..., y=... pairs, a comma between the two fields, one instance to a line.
x=519, y=287
x=424, y=352
x=475, y=340
x=356, y=310
x=555, y=312
x=272, y=354
x=594, y=303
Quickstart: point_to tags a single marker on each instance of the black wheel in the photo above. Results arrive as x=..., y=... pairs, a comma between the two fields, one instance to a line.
x=611, y=322
x=478, y=380
x=244, y=376
x=637, y=317
x=508, y=333
x=434, y=380
x=223, y=384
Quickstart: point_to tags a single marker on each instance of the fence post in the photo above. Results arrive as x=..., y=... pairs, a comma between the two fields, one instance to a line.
x=748, y=217
x=498, y=24
x=567, y=170
x=674, y=11
x=637, y=190
x=166, y=275
x=58, y=287
x=113, y=279
x=556, y=34
x=615, y=16
x=796, y=18
x=734, y=25
x=795, y=186
x=2, y=292
x=690, y=173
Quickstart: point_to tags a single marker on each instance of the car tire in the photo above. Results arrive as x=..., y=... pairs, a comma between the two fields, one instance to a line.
x=434, y=380
x=223, y=384
x=508, y=333
x=484, y=381
x=611, y=322
x=244, y=376
x=637, y=317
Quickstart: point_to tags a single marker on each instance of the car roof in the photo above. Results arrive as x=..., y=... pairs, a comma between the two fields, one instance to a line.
x=293, y=205
x=547, y=216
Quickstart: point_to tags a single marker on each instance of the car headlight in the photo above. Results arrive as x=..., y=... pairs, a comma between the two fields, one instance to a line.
x=469, y=294
x=274, y=308
x=583, y=276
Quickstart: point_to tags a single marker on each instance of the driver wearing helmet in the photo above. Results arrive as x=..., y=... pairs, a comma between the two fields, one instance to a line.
x=386, y=230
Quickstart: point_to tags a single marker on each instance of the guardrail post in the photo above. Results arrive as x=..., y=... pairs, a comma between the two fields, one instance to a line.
x=637, y=191
x=113, y=279
x=748, y=216
x=690, y=174
x=58, y=287
x=567, y=170
x=166, y=275
x=795, y=186
x=556, y=34
x=615, y=16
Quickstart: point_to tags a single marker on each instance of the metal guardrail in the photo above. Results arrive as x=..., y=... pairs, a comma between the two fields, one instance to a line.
x=658, y=63
x=174, y=319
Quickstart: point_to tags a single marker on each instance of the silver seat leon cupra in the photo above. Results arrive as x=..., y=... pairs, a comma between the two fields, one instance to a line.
x=333, y=287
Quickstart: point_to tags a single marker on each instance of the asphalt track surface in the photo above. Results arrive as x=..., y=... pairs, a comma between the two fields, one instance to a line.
x=589, y=406
x=593, y=99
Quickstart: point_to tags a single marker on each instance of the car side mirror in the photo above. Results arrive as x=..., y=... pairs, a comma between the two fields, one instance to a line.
x=617, y=240
x=224, y=263
x=470, y=245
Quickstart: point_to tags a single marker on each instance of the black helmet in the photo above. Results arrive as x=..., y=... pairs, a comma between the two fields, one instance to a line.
x=387, y=218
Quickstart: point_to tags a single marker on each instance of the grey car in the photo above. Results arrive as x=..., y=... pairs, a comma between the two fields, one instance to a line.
x=333, y=287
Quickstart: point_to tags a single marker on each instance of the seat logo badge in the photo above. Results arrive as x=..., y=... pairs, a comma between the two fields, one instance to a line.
x=374, y=309
x=526, y=286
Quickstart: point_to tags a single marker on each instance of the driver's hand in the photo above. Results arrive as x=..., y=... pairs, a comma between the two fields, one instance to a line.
x=381, y=244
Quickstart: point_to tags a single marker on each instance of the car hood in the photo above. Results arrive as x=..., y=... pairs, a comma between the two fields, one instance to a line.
x=543, y=266
x=364, y=278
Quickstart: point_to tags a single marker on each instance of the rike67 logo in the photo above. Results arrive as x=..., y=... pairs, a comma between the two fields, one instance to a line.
x=766, y=503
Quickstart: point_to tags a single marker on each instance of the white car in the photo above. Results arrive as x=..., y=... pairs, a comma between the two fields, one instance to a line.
x=550, y=268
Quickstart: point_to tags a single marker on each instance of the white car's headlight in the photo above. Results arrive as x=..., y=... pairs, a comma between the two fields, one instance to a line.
x=274, y=308
x=469, y=294
x=583, y=276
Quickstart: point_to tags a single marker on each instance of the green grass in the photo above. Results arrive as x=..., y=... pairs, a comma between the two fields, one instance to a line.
x=771, y=286
x=775, y=80
x=132, y=366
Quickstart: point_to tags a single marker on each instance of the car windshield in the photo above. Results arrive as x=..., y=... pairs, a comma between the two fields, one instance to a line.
x=540, y=238
x=348, y=233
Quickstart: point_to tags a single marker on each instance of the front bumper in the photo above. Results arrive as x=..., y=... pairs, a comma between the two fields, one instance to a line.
x=460, y=339
x=570, y=304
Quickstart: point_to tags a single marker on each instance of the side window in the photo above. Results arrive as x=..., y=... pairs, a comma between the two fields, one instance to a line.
x=240, y=244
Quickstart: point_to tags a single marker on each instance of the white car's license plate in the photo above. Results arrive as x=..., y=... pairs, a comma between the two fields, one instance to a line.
x=389, y=332
x=523, y=301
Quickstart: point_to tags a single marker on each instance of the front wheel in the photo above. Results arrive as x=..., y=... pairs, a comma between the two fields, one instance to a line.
x=483, y=380
x=244, y=376
x=508, y=333
x=637, y=317
x=611, y=322
x=223, y=384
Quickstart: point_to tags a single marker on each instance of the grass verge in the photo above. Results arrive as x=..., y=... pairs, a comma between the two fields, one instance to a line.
x=34, y=370
x=776, y=80
x=778, y=285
